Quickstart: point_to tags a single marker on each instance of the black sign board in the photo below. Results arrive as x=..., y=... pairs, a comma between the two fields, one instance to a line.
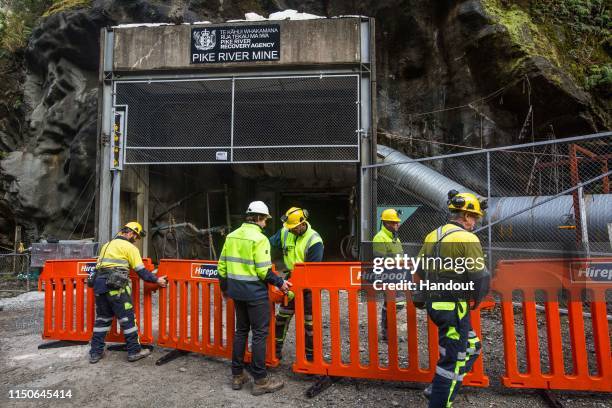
x=235, y=44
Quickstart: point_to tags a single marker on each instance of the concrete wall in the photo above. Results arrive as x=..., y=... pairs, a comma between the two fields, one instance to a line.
x=303, y=43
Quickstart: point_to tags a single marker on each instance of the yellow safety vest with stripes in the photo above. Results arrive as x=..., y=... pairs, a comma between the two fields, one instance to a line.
x=245, y=260
x=295, y=247
x=459, y=243
x=120, y=253
x=455, y=243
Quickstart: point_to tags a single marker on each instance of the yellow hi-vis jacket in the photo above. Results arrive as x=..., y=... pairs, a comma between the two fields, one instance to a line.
x=295, y=247
x=121, y=253
x=385, y=244
x=468, y=261
x=244, y=264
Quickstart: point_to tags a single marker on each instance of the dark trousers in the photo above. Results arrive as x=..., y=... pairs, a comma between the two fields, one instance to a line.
x=251, y=316
x=459, y=348
x=283, y=318
x=115, y=303
x=400, y=303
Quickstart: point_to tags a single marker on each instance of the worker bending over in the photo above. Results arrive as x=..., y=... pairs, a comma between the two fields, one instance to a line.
x=113, y=294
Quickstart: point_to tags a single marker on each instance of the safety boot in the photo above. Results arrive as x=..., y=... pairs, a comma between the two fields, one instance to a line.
x=266, y=385
x=239, y=380
x=142, y=354
x=94, y=358
x=427, y=391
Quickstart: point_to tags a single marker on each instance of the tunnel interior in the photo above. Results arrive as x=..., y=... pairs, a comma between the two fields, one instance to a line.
x=189, y=209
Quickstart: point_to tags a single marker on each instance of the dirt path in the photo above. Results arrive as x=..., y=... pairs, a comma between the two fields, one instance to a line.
x=197, y=381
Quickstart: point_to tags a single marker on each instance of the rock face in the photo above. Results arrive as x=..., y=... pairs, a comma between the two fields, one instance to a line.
x=47, y=181
x=431, y=57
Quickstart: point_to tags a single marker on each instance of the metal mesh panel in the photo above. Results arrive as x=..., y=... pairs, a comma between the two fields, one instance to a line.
x=296, y=111
x=177, y=114
x=161, y=156
x=259, y=119
x=546, y=200
x=14, y=273
x=278, y=154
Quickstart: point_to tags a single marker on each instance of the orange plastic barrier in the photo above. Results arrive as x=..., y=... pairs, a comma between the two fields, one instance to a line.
x=193, y=316
x=344, y=277
x=548, y=277
x=69, y=311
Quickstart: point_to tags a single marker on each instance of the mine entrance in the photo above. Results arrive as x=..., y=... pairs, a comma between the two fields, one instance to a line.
x=192, y=207
x=186, y=144
x=207, y=147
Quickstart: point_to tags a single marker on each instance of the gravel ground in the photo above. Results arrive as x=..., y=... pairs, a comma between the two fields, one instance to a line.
x=194, y=380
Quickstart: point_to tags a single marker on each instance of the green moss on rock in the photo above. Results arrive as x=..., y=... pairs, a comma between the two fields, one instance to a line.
x=527, y=35
x=65, y=5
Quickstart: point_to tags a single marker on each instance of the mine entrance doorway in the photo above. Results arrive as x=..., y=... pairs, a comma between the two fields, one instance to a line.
x=206, y=147
x=330, y=214
x=192, y=207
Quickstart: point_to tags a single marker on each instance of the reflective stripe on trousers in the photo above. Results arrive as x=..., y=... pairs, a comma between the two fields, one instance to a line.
x=459, y=347
x=115, y=304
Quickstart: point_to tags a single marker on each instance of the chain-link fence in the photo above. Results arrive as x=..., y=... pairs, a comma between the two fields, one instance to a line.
x=15, y=274
x=303, y=118
x=546, y=199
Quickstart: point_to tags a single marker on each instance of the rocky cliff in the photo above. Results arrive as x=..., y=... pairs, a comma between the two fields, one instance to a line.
x=461, y=72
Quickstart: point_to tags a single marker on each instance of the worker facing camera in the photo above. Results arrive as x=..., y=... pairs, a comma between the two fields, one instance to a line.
x=299, y=243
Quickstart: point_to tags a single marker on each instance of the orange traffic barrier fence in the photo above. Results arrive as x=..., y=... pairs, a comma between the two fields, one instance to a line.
x=543, y=281
x=69, y=310
x=194, y=316
x=343, y=280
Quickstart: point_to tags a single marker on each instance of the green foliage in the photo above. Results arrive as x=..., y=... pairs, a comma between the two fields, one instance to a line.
x=582, y=16
x=527, y=35
x=19, y=17
x=599, y=77
x=63, y=5
x=583, y=30
x=575, y=35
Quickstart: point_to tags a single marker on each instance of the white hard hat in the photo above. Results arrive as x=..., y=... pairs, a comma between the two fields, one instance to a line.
x=258, y=207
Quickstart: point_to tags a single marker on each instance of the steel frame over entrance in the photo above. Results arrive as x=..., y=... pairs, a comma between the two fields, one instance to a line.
x=115, y=152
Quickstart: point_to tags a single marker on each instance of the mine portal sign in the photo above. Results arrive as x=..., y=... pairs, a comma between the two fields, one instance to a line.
x=235, y=44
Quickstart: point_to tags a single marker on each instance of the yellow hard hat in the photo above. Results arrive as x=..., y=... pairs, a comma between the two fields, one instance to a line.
x=136, y=227
x=390, y=215
x=294, y=217
x=467, y=202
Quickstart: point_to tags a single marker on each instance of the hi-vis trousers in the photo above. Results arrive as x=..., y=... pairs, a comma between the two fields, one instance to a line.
x=283, y=318
x=116, y=303
x=459, y=348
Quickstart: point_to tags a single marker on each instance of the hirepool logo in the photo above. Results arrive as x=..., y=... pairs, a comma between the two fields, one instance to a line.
x=85, y=268
x=204, y=271
x=591, y=272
